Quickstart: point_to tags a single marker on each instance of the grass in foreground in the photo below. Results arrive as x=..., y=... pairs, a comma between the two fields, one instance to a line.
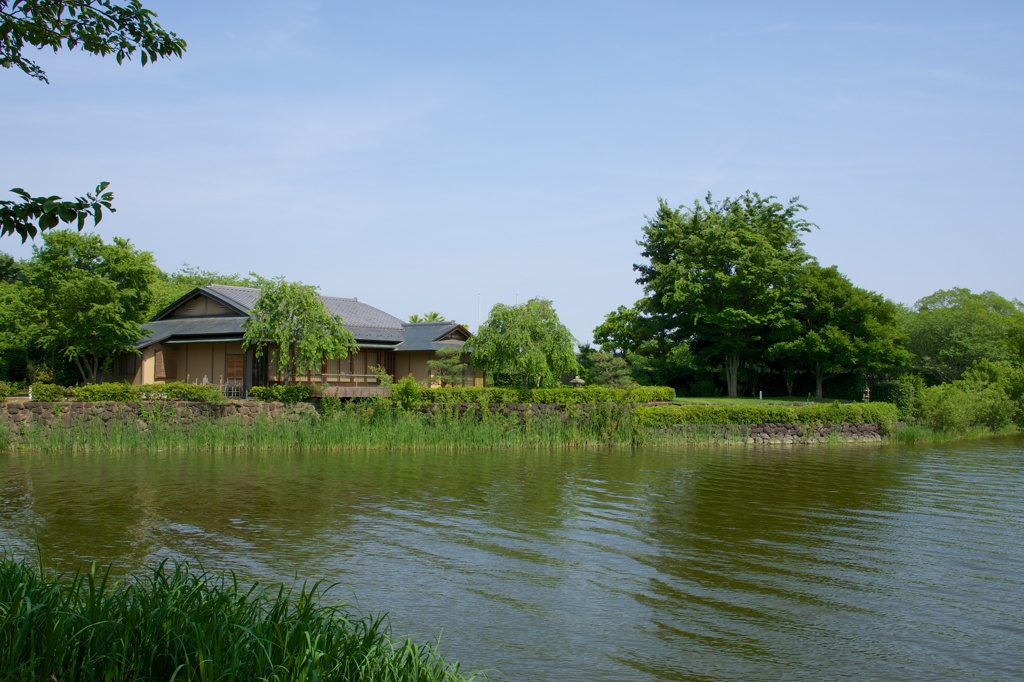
x=175, y=624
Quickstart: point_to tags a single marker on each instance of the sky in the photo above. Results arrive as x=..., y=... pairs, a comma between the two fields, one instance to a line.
x=452, y=155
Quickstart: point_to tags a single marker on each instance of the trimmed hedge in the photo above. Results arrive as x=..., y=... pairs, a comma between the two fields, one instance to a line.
x=652, y=394
x=91, y=393
x=179, y=390
x=884, y=414
x=548, y=396
x=47, y=393
x=123, y=392
x=295, y=393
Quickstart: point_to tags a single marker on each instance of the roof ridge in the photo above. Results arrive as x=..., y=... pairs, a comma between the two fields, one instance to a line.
x=440, y=322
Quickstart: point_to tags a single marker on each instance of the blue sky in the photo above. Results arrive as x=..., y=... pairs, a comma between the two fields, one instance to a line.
x=427, y=156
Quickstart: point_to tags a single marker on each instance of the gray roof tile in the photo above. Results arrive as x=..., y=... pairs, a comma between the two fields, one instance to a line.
x=364, y=321
x=421, y=335
x=191, y=326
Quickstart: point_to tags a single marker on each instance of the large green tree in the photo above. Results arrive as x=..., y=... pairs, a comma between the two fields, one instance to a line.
x=951, y=330
x=837, y=328
x=719, y=274
x=624, y=330
x=88, y=298
x=290, y=323
x=15, y=320
x=652, y=355
x=99, y=27
x=526, y=341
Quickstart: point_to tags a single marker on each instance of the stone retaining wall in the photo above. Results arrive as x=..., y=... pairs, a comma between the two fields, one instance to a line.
x=749, y=433
x=765, y=434
x=33, y=414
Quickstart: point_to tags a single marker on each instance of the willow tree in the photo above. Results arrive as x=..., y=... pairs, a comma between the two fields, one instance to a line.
x=290, y=324
x=526, y=341
x=719, y=275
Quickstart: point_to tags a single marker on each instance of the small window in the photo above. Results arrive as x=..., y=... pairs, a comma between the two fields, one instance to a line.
x=235, y=364
x=127, y=364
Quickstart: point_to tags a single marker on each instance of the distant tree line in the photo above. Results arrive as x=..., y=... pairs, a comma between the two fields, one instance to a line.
x=733, y=304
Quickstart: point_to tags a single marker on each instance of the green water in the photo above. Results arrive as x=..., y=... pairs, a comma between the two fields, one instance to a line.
x=845, y=562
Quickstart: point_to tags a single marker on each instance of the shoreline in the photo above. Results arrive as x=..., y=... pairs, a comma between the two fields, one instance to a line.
x=169, y=426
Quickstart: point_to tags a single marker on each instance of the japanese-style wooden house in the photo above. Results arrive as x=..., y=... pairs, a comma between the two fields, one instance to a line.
x=198, y=339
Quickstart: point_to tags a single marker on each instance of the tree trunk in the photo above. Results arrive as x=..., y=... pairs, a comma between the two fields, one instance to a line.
x=732, y=373
x=81, y=370
x=819, y=376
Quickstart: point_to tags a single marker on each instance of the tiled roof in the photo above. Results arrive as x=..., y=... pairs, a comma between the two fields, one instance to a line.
x=191, y=326
x=420, y=336
x=364, y=321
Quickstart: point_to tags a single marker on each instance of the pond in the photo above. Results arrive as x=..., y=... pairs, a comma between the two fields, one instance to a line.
x=654, y=564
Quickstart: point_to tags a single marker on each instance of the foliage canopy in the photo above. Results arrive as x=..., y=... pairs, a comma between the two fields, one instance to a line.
x=837, y=328
x=291, y=324
x=951, y=330
x=526, y=341
x=99, y=27
x=88, y=299
x=719, y=275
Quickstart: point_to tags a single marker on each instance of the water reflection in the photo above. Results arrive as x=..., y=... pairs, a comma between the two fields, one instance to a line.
x=649, y=564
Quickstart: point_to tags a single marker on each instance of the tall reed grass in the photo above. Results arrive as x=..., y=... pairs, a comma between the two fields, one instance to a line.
x=176, y=624
x=367, y=428
x=913, y=434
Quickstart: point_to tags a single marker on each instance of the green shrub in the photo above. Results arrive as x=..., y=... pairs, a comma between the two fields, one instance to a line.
x=121, y=392
x=904, y=392
x=407, y=393
x=966, y=404
x=296, y=393
x=6, y=389
x=47, y=393
x=179, y=390
x=329, y=405
x=261, y=393
x=652, y=394
x=589, y=395
x=473, y=394
x=1007, y=376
